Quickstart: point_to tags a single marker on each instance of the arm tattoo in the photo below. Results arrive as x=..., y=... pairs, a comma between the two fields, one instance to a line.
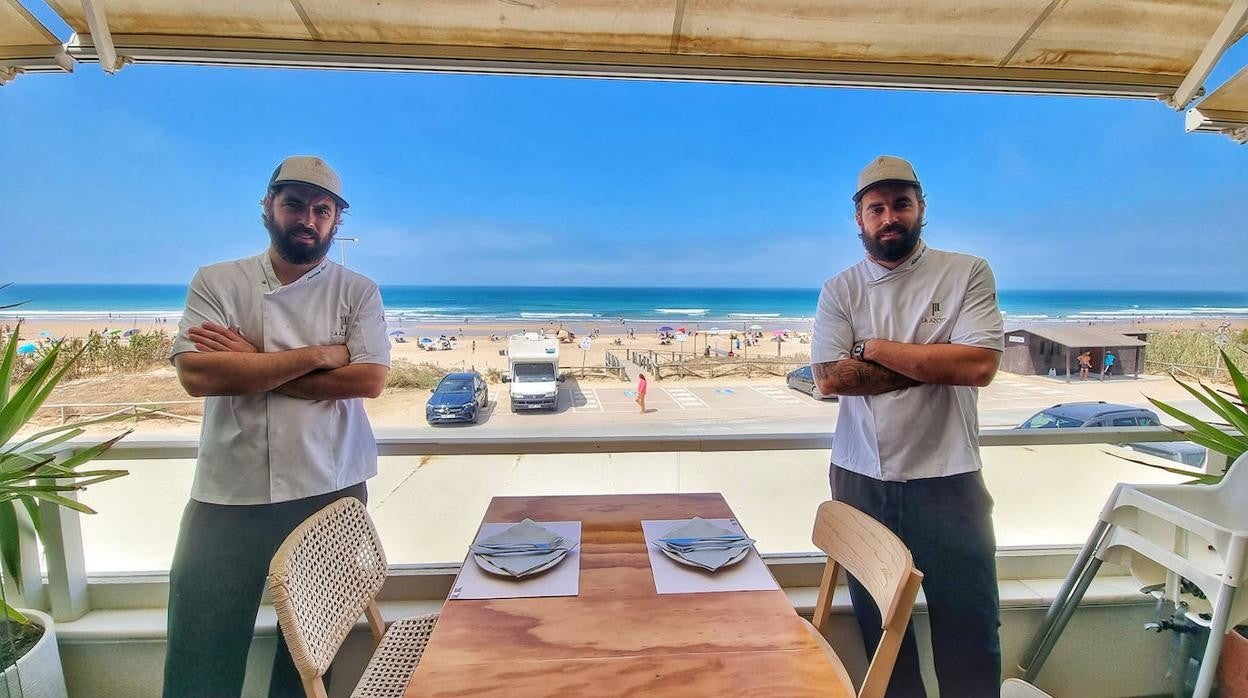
x=853, y=377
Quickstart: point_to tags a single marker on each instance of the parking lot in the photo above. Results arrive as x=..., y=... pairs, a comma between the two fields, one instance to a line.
x=773, y=405
x=665, y=398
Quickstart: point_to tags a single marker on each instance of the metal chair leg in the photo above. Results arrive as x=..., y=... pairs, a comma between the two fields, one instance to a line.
x=1032, y=659
x=1217, y=633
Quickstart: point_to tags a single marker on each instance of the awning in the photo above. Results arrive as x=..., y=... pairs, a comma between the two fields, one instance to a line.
x=26, y=45
x=1084, y=47
x=1076, y=337
x=1225, y=111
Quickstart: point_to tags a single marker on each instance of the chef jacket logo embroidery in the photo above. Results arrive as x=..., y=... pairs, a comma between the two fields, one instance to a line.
x=343, y=322
x=934, y=316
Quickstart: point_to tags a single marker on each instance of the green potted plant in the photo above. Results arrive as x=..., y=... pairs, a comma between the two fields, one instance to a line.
x=29, y=474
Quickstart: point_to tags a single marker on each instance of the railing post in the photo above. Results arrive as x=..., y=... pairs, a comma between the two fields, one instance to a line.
x=67, y=566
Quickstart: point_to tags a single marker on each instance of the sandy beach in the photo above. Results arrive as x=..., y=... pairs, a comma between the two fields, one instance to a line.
x=479, y=346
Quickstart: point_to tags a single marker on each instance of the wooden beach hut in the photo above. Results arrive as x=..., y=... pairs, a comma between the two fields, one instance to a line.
x=1053, y=349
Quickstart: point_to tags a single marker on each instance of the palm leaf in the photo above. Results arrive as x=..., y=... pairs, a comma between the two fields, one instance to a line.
x=62, y=501
x=1197, y=478
x=32, y=510
x=1213, y=406
x=1234, y=416
x=1237, y=377
x=10, y=546
x=86, y=454
x=6, y=364
x=45, y=446
x=15, y=414
x=15, y=615
x=1203, y=433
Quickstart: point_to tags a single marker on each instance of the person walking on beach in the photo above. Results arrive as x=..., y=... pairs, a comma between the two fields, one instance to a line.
x=1085, y=364
x=905, y=337
x=641, y=392
x=283, y=345
x=1108, y=369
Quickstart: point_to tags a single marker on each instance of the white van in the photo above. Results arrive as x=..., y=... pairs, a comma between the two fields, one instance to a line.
x=533, y=371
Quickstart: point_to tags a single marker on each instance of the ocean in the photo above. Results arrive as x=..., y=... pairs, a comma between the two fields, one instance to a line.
x=452, y=304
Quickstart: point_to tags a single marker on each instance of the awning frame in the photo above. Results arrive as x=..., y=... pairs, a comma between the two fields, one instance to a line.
x=35, y=58
x=1221, y=39
x=296, y=53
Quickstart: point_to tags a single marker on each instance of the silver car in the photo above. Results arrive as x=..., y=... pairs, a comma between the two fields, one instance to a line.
x=802, y=380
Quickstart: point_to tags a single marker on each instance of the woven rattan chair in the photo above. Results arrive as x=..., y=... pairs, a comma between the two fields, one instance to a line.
x=324, y=576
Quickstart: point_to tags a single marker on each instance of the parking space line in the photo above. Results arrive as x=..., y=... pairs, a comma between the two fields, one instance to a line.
x=589, y=396
x=777, y=394
x=685, y=398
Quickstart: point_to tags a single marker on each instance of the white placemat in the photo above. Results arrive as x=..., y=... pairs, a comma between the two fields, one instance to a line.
x=671, y=577
x=562, y=580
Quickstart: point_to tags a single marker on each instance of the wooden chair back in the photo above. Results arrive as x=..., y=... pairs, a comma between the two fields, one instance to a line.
x=878, y=559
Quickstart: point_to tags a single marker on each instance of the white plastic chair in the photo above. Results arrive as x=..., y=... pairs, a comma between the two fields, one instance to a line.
x=1164, y=533
x=1017, y=688
x=326, y=574
x=1196, y=532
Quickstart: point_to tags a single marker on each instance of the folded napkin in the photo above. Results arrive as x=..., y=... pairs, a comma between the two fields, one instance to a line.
x=520, y=549
x=704, y=544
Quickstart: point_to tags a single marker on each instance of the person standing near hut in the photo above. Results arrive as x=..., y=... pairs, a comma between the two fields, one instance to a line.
x=1085, y=364
x=1109, y=364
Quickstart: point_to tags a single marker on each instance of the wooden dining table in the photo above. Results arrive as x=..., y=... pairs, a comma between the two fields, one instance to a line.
x=618, y=637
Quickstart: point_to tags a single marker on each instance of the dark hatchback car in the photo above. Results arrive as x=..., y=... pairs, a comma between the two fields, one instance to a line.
x=459, y=397
x=1107, y=414
x=803, y=380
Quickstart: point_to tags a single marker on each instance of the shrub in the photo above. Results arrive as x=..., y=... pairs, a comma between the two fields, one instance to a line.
x=405, y=374
x=98, y=354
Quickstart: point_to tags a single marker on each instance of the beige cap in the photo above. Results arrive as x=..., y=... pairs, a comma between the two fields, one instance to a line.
x=885, y=168
x=308, y=169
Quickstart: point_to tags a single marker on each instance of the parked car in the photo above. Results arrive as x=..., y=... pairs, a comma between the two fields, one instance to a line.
x=458, y=397
x=1074, y=415
x=802, y=380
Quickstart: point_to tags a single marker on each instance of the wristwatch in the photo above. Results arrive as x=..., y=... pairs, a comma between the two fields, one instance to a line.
x=859, y=348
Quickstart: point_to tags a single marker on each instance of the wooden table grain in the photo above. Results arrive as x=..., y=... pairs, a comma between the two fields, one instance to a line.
x=618, y=637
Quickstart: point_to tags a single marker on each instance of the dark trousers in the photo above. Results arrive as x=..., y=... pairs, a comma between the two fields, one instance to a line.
x=218, y=574
x=947, y=524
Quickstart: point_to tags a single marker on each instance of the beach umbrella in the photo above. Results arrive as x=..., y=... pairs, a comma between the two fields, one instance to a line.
x=113, y=332
x=665, y=328
x=426, y=340
x=779, y=333
x=45, y=333
x=27, y=348
x=129, y=333
x=398, y=333
x=680, y=329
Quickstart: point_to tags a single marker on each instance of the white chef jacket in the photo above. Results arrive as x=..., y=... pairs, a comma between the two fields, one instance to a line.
x=933, y=297
x=265, y=448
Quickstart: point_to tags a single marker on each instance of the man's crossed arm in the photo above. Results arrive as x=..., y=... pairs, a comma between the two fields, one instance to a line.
x=228, y=364
x=889, y=366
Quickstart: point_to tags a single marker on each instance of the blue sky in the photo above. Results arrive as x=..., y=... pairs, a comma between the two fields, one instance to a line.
x=144, y=175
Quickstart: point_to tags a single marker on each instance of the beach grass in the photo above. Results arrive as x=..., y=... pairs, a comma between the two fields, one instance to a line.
x=103, y=354
x=405, y=374
x=1196, y=353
